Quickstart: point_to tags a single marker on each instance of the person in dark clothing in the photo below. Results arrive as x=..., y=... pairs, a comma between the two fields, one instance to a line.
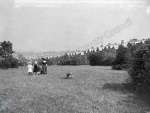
x=44, y=66
x=35, y=69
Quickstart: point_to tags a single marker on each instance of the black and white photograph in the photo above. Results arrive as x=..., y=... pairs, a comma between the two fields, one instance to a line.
x=74, y=56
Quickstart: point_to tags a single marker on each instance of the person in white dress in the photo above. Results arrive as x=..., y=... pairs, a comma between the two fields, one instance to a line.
x=30, y=68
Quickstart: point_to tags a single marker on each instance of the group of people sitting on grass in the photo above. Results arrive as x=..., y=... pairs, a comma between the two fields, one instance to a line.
x=36, y=69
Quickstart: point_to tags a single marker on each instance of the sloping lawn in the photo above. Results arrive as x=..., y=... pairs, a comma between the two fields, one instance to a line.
x=91, y=90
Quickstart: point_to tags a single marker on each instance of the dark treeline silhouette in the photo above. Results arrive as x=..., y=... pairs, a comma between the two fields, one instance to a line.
x=93, y=58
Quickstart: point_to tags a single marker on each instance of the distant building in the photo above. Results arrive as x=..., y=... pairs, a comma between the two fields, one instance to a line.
x=135, y=41
x=115, y=46
x=82, y=53
x=110, y=49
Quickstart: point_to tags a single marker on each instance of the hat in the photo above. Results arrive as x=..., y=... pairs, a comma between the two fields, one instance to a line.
x=44, y=58
x=35, y=62
x=29, y=62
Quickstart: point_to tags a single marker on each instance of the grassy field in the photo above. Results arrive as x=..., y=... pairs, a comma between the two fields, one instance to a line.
x=91, y=90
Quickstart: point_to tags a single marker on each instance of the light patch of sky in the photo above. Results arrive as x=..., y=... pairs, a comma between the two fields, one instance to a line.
x=45, y=25
x=47, y=3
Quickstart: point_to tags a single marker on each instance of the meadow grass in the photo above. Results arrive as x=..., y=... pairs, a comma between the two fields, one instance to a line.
x=93, y=89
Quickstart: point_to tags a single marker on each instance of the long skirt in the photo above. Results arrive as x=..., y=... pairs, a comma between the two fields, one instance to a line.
x=35, y=69
x=44, y=69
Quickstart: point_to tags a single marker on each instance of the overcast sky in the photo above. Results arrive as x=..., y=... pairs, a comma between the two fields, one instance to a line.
x=48, y=25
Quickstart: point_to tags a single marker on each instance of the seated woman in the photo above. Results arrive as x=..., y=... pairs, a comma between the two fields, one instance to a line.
x=44, y=66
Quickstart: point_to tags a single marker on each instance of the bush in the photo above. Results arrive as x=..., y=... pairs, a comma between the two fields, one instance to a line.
x=5, y=64
x=98, y=58
x=21, y=64
x=69, y=60
x=9, y=62
x=14, y=63
x=108, y=61
x=95, y=59
x=117, y=67
x=140, y=71
x=123, y=58
x=126, y=66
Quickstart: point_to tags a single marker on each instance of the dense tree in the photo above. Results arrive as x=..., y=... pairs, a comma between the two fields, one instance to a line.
x=8, y=61
x=95, y=59
x=140, y=70
x=98, y=58
x=6, y=49
x=120, y=57
x=125, y=55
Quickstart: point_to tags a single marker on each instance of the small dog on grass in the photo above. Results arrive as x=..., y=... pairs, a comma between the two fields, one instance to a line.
x=69, y=75
x=39, y=70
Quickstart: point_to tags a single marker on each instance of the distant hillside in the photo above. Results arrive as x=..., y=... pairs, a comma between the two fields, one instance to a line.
x=46, y=53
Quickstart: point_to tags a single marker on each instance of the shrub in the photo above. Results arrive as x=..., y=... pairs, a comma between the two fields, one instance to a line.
x=14, y=63
x=108, y=61
x=117, y=67
x=98, y=58
x=69, y=60
x=5, y=64
x=123, y=58
x=95, y=59
x=140, y=71
x=9, y=62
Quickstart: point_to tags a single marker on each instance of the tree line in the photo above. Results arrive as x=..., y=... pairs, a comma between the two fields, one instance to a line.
x=93, y=58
